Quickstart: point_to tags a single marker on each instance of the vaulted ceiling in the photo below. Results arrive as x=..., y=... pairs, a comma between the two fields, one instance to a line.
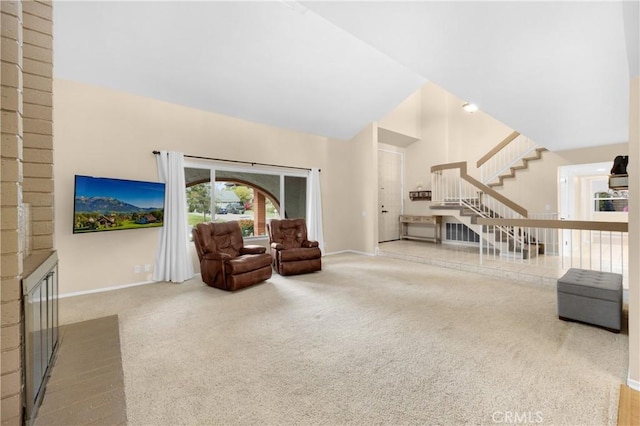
x=556, y=71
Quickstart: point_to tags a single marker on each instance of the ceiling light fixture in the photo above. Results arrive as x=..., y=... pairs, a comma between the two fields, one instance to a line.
x=470, y=107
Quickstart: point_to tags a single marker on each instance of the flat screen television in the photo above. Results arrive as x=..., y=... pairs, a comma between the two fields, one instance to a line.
x=106, y=204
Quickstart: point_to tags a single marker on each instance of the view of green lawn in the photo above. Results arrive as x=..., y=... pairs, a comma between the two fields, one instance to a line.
x=127, y=224
x=194, y=218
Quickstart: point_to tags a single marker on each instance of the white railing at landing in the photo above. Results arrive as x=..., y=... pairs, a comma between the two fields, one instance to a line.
x=564, y=244
x=453, y=187
x=505, y=155
x=538, y=238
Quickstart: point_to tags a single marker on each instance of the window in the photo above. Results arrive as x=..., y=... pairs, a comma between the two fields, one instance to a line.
x=249, y=197
x=295, y=196
x=612, y=201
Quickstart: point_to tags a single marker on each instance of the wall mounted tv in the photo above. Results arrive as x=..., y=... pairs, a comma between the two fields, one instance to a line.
x=106, y=204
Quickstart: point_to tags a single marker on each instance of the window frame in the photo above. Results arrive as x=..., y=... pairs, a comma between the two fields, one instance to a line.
x=213, y=166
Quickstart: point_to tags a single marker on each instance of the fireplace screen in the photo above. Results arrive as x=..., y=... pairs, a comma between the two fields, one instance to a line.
x=40, y=290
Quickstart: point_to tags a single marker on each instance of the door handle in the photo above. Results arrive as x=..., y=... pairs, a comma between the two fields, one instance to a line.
x=385, y=211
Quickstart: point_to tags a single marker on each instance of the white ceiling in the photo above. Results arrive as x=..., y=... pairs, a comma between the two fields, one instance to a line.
x=555, y=71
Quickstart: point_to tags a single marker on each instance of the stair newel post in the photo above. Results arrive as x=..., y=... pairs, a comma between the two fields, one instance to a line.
x=434, y=187
x=482, y=234
x=460, y=189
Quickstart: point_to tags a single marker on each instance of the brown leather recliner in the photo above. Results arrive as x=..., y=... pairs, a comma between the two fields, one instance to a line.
x=291, y=252
x=225, y=262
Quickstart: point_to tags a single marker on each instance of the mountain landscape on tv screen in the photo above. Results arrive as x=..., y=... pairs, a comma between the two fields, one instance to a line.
x=108, y=205
x=109, y=214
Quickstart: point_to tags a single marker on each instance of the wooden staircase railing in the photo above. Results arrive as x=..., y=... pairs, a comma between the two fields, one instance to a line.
x=452, y=187
x=496, y=149
x=511, y=154
x=447, y=189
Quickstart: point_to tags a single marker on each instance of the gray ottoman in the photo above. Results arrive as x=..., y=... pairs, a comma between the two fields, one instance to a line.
x=591, y=297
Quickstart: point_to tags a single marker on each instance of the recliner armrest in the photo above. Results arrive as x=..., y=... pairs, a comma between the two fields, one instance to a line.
x=216, y=256
x=309, y=244
x=277, y=246
x=253, y=249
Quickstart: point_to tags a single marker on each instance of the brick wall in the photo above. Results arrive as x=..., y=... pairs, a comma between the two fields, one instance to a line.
x=26, y=173
x=37, y=186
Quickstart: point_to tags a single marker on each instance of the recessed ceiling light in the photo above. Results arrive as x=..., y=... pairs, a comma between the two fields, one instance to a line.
x=601, y=170
x=470, y=107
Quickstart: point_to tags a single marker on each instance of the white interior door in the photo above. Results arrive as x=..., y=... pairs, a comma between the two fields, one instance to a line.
x=389, y=194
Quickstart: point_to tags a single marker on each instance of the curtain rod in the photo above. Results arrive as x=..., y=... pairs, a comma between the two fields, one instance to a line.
x=241, y=162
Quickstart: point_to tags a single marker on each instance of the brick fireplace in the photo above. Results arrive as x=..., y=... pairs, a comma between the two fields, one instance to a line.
x=26, y=175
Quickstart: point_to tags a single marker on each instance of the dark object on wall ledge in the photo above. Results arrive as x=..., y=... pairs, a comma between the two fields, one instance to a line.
x=619, y=178
x=620, y=165
x=420, y=195
x=106, y=204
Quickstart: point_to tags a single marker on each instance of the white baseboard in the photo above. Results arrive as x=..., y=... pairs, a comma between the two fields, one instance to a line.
x=102, y=290
x=349, y=251
x=633, y=384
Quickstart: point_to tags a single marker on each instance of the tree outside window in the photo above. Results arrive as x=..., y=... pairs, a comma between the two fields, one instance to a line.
x=199, y=202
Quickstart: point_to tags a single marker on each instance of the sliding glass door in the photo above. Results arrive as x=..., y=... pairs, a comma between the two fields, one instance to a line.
x=222, y=193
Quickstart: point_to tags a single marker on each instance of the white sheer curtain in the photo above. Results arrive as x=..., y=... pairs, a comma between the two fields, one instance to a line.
x=314, y=208
x=173, y=262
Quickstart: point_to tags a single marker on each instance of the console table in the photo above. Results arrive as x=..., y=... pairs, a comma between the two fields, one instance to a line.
x=427, y=221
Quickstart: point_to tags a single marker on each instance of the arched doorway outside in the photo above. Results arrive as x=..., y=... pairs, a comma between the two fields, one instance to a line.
x=257, y=200
x=251, y=198
x=255, y=205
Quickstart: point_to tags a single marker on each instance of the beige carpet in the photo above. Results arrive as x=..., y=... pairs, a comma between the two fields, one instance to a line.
x=368, y=340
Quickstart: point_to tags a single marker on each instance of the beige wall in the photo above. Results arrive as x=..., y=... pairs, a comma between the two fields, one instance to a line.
x=471, y=135
x=406, y=117
x=447, y=134
x=102, y=132
x=595, y=154
x=634, y=232
x=362, y=206
x=431, y=147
